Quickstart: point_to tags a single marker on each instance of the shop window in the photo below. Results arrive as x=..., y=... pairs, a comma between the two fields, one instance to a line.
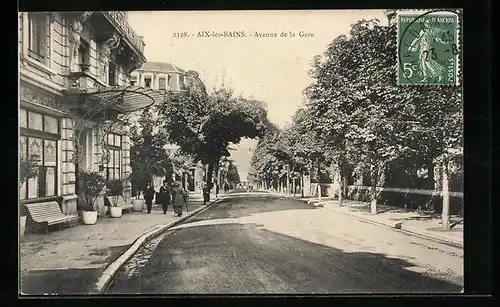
x=23, y=118
x=37, y=36
x=113, y=168
x=38, y=141
x=162, y=83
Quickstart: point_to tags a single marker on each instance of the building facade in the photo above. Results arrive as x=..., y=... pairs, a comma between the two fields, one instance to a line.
x=74, y=86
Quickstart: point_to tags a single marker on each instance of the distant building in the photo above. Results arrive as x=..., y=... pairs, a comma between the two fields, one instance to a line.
x=159, y=76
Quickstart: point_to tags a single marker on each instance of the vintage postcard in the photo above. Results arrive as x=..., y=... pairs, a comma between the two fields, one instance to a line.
x=241, y=152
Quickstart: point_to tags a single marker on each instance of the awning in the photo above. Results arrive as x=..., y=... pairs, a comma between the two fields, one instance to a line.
x=123, y=99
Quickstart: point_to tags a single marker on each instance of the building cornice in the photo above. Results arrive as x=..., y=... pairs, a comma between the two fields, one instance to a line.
x=39, y=81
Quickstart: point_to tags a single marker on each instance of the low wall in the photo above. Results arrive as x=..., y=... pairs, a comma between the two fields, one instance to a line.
x=397, y=197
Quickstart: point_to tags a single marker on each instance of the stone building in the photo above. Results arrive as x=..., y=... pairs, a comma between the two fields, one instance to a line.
x=74, y=87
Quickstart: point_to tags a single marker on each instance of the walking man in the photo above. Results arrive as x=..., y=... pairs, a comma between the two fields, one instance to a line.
x=206, y=194
x=164, y=196
x=216, y=186
x=149, y=194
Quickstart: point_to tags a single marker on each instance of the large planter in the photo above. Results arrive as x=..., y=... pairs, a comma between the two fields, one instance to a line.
x=116, y=211
x=138, y=205
x=22, y=227
x=89, y=217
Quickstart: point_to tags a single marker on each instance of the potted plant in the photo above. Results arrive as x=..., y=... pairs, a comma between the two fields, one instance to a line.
x=114, y=188
x=28, y=168
x=91, y=185
x=138, y=180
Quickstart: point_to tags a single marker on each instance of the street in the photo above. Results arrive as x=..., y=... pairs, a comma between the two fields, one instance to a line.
x=259, y=243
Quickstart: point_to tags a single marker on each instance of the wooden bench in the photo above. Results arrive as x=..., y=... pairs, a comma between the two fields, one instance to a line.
x=48, y=214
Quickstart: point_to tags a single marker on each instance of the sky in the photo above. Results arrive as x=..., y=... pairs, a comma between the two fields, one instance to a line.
x=270, y=69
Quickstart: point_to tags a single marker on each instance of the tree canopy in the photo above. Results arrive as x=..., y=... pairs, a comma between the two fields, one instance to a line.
x=204, y=125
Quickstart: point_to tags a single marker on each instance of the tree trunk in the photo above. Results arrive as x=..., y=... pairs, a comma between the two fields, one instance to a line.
x=373, y=190
x=446, y=198
x=302, y=184
x=210, y=171
x=288, y=180
x=430, y=182
x=319, y=180
x=293, y=187
x=340, y=186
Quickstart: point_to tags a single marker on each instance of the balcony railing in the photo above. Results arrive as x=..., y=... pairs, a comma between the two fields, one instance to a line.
x=118, y=19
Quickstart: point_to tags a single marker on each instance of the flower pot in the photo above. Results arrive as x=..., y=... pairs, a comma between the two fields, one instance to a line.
x=22, y=226
x=89, y=217
x=116, y=211
x=138, y=205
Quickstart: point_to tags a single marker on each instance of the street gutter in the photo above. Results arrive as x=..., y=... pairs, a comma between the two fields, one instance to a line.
x=104, y=281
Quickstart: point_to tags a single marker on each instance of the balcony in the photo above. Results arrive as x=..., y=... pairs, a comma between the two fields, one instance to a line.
x=118, y=20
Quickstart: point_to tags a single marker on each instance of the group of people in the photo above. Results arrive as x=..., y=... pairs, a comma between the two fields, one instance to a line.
x=167, y=194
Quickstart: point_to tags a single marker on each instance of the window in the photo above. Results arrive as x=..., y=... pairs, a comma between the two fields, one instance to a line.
x=112, y=74
x=84, y=53
x=37, y=36
x=162, y=83
x=171, y=84
x=39, y=136
x=133, y=80
x=181, y=81
x=147, y=82
x=114, y=164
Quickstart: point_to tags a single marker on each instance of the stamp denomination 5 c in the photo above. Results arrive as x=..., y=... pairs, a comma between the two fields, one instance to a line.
x=428, y=47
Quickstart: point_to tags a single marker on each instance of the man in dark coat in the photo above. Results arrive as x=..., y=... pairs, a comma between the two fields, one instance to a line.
x=149, y=194
x=206, y=194
x=179, y=198
x=164, y=196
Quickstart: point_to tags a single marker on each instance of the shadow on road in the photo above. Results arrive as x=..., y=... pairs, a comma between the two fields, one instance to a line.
x=236, y=206
x=245, y=258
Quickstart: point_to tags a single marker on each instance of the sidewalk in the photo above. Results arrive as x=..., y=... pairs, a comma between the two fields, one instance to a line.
x=427, y=225
x=71, y=260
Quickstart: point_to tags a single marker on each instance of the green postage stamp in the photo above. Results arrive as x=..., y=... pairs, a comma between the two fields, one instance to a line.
x=429, y=50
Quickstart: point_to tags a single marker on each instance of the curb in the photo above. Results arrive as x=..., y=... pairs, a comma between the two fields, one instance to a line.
x=111, y=270
x=409, y=231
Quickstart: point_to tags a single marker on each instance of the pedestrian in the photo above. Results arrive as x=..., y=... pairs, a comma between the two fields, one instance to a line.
x=164, y=196
x=226, y=187
x=149, y=194
x=216, y=186
x=206, y=194
x=179, y=198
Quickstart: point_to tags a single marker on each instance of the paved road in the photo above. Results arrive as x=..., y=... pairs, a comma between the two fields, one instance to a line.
x=256, y=243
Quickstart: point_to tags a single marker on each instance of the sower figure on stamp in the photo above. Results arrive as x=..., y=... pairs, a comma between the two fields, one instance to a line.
x=178, y=198
x=164, y=196
x=149, y=194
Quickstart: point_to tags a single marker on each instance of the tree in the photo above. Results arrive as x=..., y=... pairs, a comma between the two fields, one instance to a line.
x=232, y=173
x=365, y=121
x=357, y=103
x=148, y=157
x=204, y=125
